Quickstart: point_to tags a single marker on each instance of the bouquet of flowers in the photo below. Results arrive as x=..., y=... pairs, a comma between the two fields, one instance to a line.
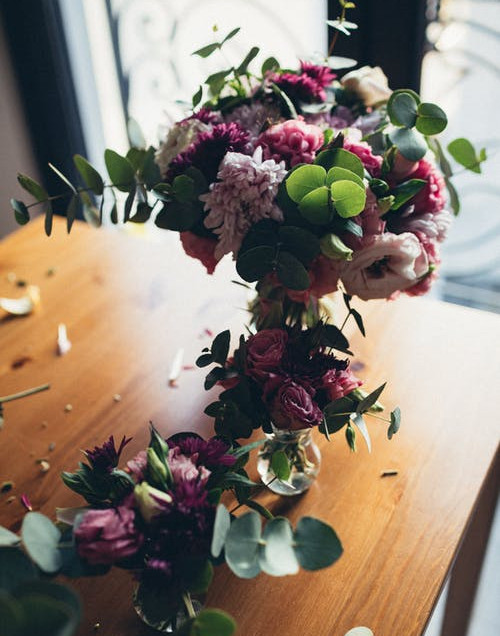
x=289, y=381
x=162, y=519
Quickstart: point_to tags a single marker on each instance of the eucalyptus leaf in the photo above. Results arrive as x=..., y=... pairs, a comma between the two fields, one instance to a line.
x=270, y=64
x=304, y=180
x=129, y=202
x=454, y=198
x=337, y=414
x=20, y=211
x=197, y=97
x=280, y=465
x=338, y=157
x=262, y=510
x=337, y=173
x=255, y=263
x=360, y=423
x=370, y=399
x=207, y=50
x=15, y=568
x=142, y=213
x=213, y=622
x=242, y=545
x=120, y=170
x=222, y=524
x=316, y=544
x=431, y=119
x=49, y=216
x=348, y=197
x=63, y=178
x=286, y=100
x=301, y=243
x=178, y=216
x=277, y=556
x=135, y=134
x=395, y=422
x=89, y=174
x=359, y=321
x=40, y=538
x=410, y=143
x=220, y=347
x=464, y=153
x=403, y=110
x=359, y=631
x=71, y=212
x=315, y=206
x=231, y=35
x=291, y=273
x=8, y=538
x=249, y=57
x=32, y=187
x=405, y=191
x=63, y=603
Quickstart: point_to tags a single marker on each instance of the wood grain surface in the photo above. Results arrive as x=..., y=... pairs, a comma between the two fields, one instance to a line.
x=129, y=304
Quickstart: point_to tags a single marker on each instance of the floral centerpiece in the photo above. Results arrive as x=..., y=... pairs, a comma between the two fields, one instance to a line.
x=161, y=518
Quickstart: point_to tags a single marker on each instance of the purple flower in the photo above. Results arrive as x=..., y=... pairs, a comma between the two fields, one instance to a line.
x=206, y=116
x=254, y=117
x=307, y=86
x=106, y=457
x=293, y=407
x=208, y=150
x=137, y=466
x=210, y=453
x=265, y=352
x=107, y=536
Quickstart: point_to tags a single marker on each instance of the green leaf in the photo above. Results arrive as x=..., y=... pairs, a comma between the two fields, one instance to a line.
x=301, y=243
x=403, y=110
x=63, y=178
x=402, y=91
x=370, y=399
x=40, y=538
x=286, y=100
x=242, y=545
x=217, y=81
x=214, y=376
x=204, y=360
x=360, y=423
x=454, y=198
x=334, y=422
x=277, y=556
x=150, y=172
x=91, y=214
x=304, y=180
x=291, y=273
x=120, y=170
x=410, y=143
x=359, y=321
x=207, y=50
x=20, y=211
x=129, y=202
x=255, y=263
x=49, y=609
x=332, y=336
x=431, y=119
x=231, y=35
x=316, y=544
x=405, y=191
x=280, y=465
x=135, y=134
x=71, y=212
x=337, y=173
x=142, y=213
x=348, y=197
x=89, y=174
x=33, y=187
x=222, y=524
x=338, y=157
x=178, y=216
x=49, y=215
x=213, y=622
x=8, y=538
x=183, y=188
x=199, y=581
x=262, y=510
x=395, y=422
x=220, y=347
x=464, y=153
x=11, y=616
x=15, y=568
x=249, y=57
x=334, y=248
x=197, y=97
x=270, y=64
x=315, y=206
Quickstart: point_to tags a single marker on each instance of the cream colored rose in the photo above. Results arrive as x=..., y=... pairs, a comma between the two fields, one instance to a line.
x=179, y=137
x=369, y=83
x=150, y=500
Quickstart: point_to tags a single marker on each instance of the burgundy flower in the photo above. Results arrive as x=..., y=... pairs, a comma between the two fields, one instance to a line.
x=339, y=383
x=206, y=116
x=210, y=453
x=107, y=536
x=265, y=351
x=208, y=150
x=307, y=86
x=293, y=407
x=106, y=457
x=202, y=248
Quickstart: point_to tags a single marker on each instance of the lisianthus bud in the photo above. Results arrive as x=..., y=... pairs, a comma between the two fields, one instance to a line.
x=150, y=500
x=157, y=471
x=333, y=247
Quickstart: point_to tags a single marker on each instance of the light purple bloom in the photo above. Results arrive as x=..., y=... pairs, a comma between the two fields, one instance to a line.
x=253, y=117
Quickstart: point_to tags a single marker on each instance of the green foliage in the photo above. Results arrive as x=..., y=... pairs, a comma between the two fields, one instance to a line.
x=41, y=538
x=222, y=524
x=15, y=568
x=465, y=154
x=333, y=247
x=120, y=170
x=405, y=191
x=410, y=143
x=89, y=174
x=316, y=544
x=32, y=187
x=370, y=399
x=291, y=273
x=21, y=212
x=209, y=622
x=242, y=545
x=348, y=197
x=431, y=120
x=395, y=422
x=8, y=538
x=277, y=556
x=205, y=51
x=280, y=465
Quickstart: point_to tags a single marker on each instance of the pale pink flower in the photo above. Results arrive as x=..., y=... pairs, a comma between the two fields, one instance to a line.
x=184, y=468
x=253, y=117
x=243, y=195
x=292, y=141
x=391, y=263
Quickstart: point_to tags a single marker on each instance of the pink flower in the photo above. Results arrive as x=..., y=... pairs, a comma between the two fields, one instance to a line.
x=338, y=383
x=363, y=151
x=202, y=248
x=243, y=195
x=265, y=352
x=293, y=141
x=184, y=468
x=107, y=536
x=324, y=275
x=432, y=196
x=370, y=222
x=391, y=263
x=293, y=407
x=137, y=466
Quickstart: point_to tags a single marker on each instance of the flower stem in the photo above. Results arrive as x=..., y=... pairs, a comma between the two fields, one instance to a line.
x=252, y=496
x=186, y=597
x=21, y=394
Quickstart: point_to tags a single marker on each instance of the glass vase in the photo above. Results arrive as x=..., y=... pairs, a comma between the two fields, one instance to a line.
x=151, y=616
x=303, y=455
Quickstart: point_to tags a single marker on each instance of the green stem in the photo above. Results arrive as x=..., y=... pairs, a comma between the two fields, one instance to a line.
x=186, y=597
x=56, y=197
x=243, y=503
x=21, y=394
x=336, y=34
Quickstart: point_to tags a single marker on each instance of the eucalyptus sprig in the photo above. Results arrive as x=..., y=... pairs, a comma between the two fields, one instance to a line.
x=341, y=25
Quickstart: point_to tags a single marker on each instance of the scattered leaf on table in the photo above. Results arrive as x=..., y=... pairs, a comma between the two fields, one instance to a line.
x=24, y=305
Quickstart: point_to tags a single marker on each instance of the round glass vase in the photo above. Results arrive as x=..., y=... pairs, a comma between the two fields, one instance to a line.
x=152, y=616
x=302, y=453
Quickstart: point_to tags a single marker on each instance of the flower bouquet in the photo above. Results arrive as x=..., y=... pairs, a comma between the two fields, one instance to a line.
x=289, y=381
x=161, y=518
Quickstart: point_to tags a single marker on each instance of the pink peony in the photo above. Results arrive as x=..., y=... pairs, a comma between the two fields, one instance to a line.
x=107, y=536
x=293, y=141
x=338, y=383
x=393, y=262
x=202, y=248
x=265, y=352
x=243, y=195
x=363, y=151
x=293, y=407
x=432, y=196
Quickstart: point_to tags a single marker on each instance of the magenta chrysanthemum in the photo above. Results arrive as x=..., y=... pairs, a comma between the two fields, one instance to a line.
x=243, y=195
x=207, y=151
x=322, y=75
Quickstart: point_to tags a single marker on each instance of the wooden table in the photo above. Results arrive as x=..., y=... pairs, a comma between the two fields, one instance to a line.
x=129, y=303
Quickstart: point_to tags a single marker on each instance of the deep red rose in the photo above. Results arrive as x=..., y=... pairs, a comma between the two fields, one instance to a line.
x=200, y=247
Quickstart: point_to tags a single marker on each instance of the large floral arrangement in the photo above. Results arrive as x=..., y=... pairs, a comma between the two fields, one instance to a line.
x=161, y=518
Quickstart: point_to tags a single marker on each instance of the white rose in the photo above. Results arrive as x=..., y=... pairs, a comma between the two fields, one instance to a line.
x=369, y=84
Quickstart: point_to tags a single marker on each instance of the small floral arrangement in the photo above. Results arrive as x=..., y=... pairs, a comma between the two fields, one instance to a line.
x=161, y=518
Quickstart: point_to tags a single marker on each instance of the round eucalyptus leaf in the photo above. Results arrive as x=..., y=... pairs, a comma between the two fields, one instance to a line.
x=21, y=212
x=8, y=538
x=301, y=243
x=33, y=187
x=255, y=263
x=10, y=615
x=212, y=622
x=464, y=153
x=337, y=173
x=431, y=119
x=403, y=110
x=359, y=631
x=348, y=197
x=303, y=180
x=315, y=206
x=183, y=188
x=316, y=544
x=242, y=545
x=342, y=159
x=277, y=556
x=41, y=537
x=410, y=143
x=178, y=216
x=291, y=272
x=401, y=91
x=15, y=568
x=222, y=524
